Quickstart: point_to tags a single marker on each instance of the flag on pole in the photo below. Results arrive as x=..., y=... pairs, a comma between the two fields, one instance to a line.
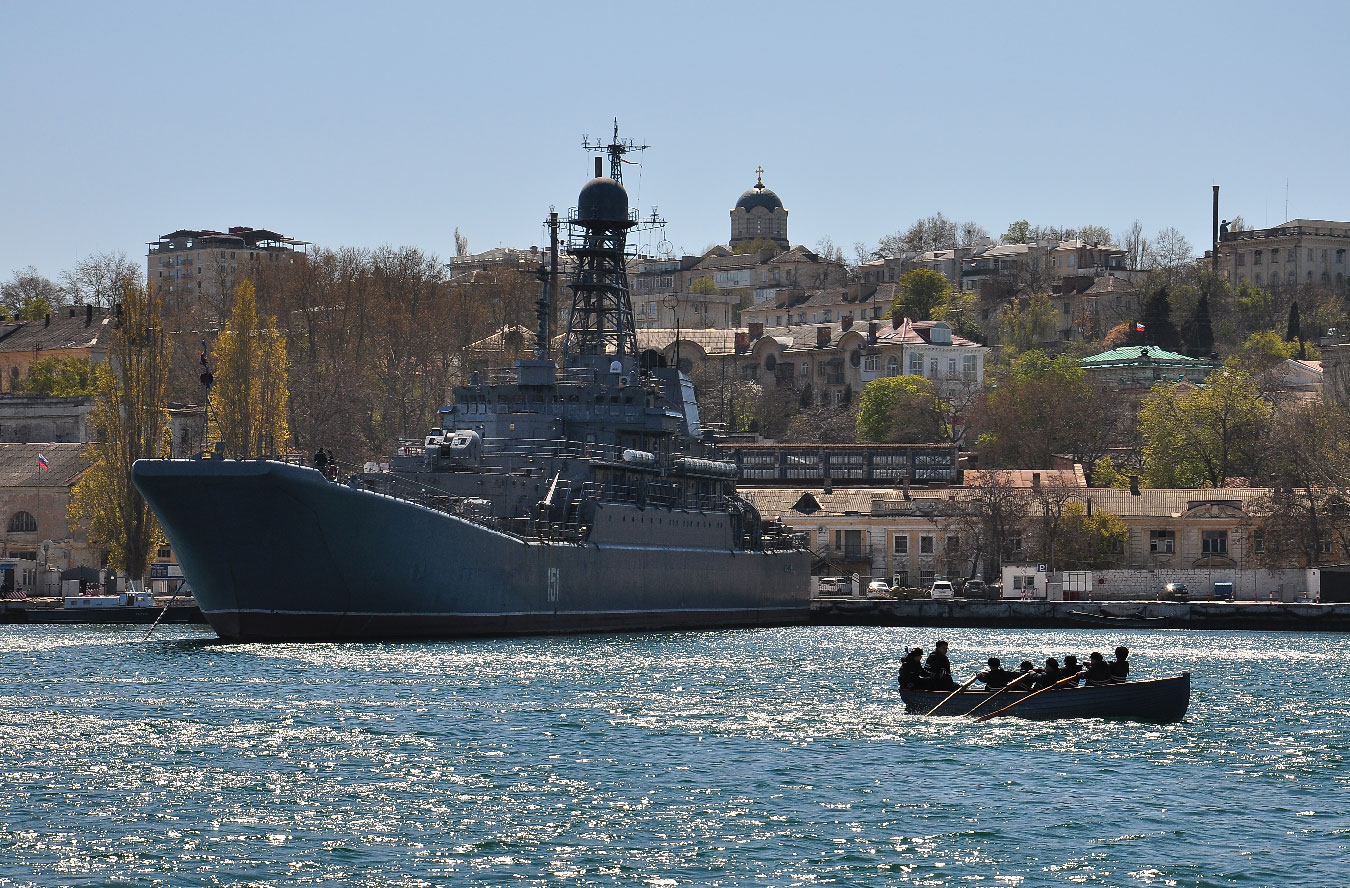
x=1138, y=327
x=42, y=463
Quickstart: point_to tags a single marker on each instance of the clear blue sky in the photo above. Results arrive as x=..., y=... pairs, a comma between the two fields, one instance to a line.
x=393, y=123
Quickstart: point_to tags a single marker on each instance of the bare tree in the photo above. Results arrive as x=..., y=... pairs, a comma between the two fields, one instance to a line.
x=1135, y=245
x=1169, y=249
x=28, y=288
x=987, y=518
x=99, y=279
x=971, y=234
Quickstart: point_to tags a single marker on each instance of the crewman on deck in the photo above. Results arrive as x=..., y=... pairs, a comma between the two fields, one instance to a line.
x=1049, y=675
x=939, y=667
x=1070, y=667
x=912, y=673
x=1120, y=666
x=995, y=676
x=1098, y=670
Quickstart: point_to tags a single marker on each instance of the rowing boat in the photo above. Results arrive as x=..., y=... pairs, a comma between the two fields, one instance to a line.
x=1160, y=700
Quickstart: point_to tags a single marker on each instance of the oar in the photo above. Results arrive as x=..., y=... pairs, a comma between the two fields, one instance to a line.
x=1063, y=680
x=1006, y=687
x=972, y=681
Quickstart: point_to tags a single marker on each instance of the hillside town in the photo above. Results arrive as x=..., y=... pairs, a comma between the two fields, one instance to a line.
x=993, y=410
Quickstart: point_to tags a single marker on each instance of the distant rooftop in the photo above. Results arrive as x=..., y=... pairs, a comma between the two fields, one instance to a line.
x=236, y=237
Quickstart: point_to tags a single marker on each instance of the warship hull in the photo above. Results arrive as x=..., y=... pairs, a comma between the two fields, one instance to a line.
x=276, y=552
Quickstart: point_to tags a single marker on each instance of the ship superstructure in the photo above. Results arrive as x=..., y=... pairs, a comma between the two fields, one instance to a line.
x=579, y=494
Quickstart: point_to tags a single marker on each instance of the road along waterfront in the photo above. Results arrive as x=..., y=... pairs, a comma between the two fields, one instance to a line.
x=754, y=757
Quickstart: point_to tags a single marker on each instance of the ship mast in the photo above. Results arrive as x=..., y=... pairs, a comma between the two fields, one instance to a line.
x=600, y=327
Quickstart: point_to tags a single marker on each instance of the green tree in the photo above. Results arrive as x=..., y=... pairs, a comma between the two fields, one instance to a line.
x=34, y=308
x=922, y=291
x=1018, y=232
x=1022, y=327
x=250, y=391
x=703, y=286
x=901, y=410
x=60, y=377
x=1202, y=436
x=128, y=423
x=1261, y=351
x=1090, y=542
x=1157, y=319
x=958, y=311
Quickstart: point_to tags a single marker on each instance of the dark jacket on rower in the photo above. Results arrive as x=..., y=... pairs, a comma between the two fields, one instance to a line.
x=939, y=670
x=1098, y=670
x=996, y=676
x=1070, y=667
x=1049, y=675
x=912, y=673
x=1120, y=666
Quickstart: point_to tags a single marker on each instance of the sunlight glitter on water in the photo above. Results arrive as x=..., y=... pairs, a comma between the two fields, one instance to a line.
x=768, y=757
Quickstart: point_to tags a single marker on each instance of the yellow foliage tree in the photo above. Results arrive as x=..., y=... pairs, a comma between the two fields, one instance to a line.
x=128, y=423
x=250, y=392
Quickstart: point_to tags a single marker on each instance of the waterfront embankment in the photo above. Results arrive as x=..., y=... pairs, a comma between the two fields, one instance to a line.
x=50, y=610
x=977, y=614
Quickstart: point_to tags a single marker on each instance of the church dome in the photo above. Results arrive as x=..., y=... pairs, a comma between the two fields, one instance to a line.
x=759, y=196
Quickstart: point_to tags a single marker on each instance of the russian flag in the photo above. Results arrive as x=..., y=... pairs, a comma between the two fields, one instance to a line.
x=42, y=463
x=1138, y=327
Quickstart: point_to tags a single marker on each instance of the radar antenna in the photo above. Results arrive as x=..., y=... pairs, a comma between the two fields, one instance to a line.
x=616, y=149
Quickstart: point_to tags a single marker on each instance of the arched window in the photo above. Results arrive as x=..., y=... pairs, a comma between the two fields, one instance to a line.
x=22, y=522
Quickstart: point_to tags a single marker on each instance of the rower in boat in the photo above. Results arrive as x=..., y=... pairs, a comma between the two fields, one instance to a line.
x=912, y=673
x=1098, y=670
x=1070, y=667
x=940, y=668
x=1049, y=675
x=995, y=676
x=1120, y=666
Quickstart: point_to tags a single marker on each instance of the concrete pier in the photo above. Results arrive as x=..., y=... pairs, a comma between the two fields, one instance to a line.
x=960, y=613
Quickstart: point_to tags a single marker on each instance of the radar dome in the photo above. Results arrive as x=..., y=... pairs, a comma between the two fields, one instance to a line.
x=602, y=200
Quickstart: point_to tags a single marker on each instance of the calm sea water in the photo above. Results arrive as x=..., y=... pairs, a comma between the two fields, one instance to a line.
x=768, y=757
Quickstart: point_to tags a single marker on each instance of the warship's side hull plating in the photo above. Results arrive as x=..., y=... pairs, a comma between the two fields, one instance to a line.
x=276, y=552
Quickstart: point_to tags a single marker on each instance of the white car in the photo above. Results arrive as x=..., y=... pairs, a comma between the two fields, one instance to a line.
x=878, y=589
x=942, y=589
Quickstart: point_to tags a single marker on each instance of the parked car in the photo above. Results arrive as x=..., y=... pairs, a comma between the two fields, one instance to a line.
x=941, y=589
x=1176, y=592
x=974, y=588
x=878, y=589
x=829, y=585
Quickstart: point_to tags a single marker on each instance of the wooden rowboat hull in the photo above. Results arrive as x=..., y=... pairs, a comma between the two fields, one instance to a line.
x=1161, y=700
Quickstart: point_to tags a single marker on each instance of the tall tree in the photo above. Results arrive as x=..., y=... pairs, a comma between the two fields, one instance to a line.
x=1293, y=331
x=901, y=410
x=251, y=390
x=99, y=279
x=922, y=291
x=128, y=423
x=28, y=288
x=1135, y=245
x=1203, y=436
x=1157, y=320
x=1024, y=326
x=1198, y=332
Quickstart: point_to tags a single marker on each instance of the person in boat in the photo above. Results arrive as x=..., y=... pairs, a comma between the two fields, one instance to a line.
x=1071, y=667
x=912, y=673
x=1098, y=670
x=1049, y=675
x=940, y=668
x=1120, y=666
x=995, y=676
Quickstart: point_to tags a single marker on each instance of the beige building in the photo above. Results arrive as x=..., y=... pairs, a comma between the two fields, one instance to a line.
x=69, y=331
x=33, y=503
x=190, y=268
x=759, y=215
x=1304, y=251
x=895, y=533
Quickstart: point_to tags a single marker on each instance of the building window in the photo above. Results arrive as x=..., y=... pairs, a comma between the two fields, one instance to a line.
x=951, y=366
x=1242, y=259
x=926, y=579
x=1162, y=542
x=925, y=545
x=806, y=369
x=1291, y=278
x=22, y=522
x=892, y=366
x=1340, y=257
x=1015, y=544
x=870, y=363
x=1256, y=258
x=1214, y=542
x=953, y=544
x=901, y=544
x=1310, y=254
x=968, y=365
x=1324, y=547
x=165, y=552
x=916, y=365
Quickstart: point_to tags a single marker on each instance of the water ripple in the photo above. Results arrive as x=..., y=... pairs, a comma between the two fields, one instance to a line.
x=770, y=757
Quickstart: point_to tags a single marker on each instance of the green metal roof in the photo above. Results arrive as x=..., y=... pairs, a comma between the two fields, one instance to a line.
x=1133, y=355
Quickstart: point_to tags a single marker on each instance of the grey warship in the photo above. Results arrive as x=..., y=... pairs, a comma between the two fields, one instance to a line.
x=571, y=495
